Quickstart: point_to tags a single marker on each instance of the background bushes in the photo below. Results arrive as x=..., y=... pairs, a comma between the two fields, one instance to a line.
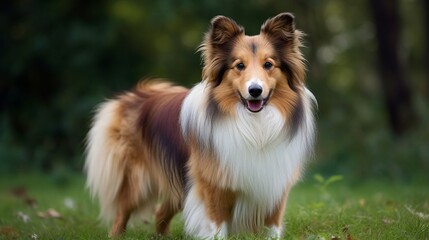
x=59, y=59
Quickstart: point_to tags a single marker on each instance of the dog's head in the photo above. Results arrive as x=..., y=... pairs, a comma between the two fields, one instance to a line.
x=254, y=70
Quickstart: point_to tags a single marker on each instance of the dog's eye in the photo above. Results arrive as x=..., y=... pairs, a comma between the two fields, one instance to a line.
x=240, y=66
x=268, y=66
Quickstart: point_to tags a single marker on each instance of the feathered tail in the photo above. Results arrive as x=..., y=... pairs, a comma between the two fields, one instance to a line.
x=103, y=166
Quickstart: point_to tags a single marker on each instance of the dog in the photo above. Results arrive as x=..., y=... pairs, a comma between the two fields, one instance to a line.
x=227, y=151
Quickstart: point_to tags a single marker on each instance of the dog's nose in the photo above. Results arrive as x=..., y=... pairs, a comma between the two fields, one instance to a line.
x=255, y=90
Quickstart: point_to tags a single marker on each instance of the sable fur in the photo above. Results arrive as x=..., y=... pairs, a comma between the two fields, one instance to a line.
x=224, y=156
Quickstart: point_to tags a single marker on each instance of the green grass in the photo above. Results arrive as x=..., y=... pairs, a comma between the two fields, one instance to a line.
x=318, y=208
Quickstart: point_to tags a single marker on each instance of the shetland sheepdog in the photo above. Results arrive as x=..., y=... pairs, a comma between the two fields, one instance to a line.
x=226, y=152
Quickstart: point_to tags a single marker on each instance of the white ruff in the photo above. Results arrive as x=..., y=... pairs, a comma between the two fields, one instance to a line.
x=255, y=149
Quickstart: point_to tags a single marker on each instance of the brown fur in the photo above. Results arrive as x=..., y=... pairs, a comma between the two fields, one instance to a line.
x=224, y=47
x=154, y=158
x=143, y=161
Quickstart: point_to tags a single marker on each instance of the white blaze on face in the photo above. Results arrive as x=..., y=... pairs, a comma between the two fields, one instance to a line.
x=250, y=82
x=254, y=104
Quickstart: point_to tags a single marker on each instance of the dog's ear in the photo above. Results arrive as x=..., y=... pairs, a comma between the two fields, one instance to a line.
x=280, y=27
x=223, y=30
x=286, y=39
x=217, y=46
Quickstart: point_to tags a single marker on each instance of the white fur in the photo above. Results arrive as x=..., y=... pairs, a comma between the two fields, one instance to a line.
x=104, y=174
x=104, y=165
x=255, y=150
x=197, y=223
x=222, y=232
x=274, y=232
x=253, y=80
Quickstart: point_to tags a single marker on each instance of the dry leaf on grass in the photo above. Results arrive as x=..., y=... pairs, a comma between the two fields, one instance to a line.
x=8, y=232
x=388, y=221
x=50, y=213
x=21, y=193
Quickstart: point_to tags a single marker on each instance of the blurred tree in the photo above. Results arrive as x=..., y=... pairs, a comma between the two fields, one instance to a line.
x=426, y=57
x=394, y=84
x=59, y=59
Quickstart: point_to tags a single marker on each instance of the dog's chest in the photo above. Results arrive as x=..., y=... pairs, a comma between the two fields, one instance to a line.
x=261, y=162
x=257, y=154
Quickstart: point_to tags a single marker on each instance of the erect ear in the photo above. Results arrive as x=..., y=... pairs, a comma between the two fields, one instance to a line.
x=281, y=26
x=216, y=47
x=281, y=32
x=222, y=30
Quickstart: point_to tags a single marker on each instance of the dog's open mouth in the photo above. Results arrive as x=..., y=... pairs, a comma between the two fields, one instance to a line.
x=255, y=105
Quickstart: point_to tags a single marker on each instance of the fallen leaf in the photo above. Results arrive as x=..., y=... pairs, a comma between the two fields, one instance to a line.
x=53, y=213
x=50, y=213
x=8, y=232
x=387, y=221
x=31, y=202
x=19, y=192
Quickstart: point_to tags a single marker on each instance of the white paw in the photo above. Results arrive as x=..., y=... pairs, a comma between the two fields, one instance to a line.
x=274, y=232
x=197, y=223
x=220, y=232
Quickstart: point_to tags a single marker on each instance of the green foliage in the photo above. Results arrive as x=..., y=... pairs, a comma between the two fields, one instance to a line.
x=324, y=196
x=324, y=183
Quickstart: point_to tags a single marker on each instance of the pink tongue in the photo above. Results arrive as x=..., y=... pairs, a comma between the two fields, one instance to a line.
x=254, y=105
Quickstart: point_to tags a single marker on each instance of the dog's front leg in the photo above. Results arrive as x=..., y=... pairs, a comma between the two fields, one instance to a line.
x=208, y=211
x=274, y=221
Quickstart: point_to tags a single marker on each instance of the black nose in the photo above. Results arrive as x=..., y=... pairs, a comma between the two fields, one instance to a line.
x=255, y=90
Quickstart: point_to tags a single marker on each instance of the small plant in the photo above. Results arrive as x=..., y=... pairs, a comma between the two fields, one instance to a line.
x=322, y=185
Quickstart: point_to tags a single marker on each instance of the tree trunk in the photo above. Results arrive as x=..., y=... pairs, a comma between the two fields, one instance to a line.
x=426, y=57
x=396, y=89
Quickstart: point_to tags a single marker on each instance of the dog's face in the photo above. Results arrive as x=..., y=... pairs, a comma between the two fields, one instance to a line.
x=253, y=70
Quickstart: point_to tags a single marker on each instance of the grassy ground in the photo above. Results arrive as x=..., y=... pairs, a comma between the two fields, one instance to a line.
x=58, y=207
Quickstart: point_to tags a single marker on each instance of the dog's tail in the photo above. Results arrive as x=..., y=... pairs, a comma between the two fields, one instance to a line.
x=117, y=158
x=105, y=172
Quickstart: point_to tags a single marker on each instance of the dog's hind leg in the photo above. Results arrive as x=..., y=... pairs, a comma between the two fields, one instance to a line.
x=124, y=208
x=164, y=214
x=128, y=200
x=120, y=224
